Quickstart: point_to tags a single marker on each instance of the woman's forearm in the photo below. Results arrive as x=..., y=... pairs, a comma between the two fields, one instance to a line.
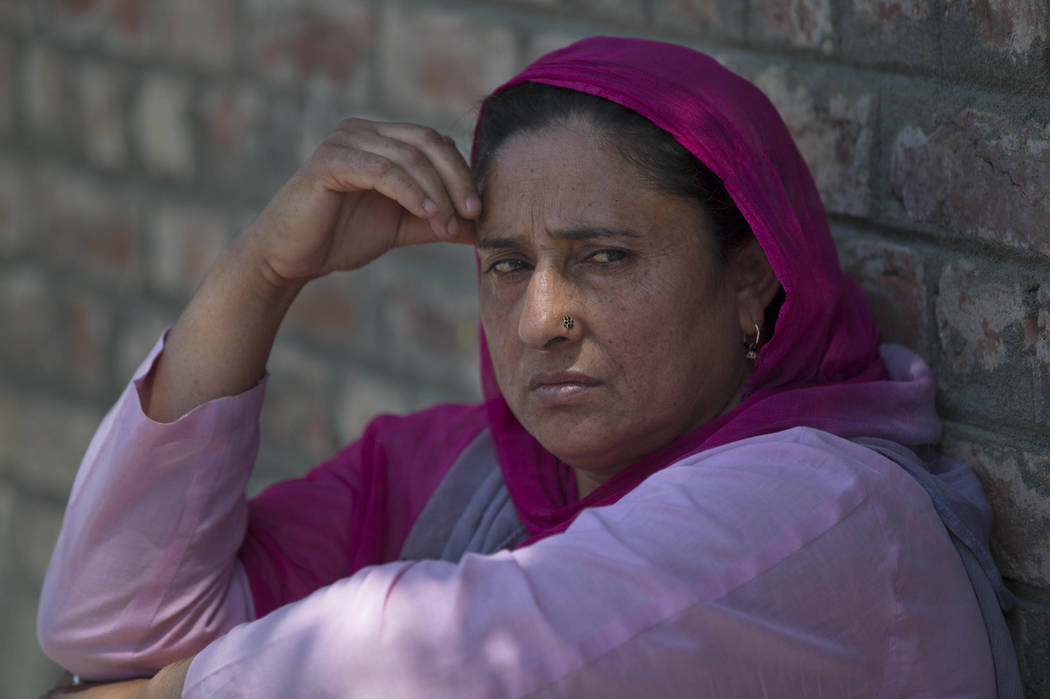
x=222, y=340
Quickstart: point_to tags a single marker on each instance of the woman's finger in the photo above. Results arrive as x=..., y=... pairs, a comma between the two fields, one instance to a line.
x=416, y=163
x=343, y=169
x=442, y=152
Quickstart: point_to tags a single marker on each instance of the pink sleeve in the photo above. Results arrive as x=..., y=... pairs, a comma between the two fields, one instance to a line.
x=145, y=569
x=797, y=564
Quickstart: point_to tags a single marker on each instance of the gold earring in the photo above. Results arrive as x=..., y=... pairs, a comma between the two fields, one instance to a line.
x=752, y=346
x=568, y=322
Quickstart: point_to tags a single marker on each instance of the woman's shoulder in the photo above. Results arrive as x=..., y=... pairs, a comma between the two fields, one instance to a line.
x=807, y=531
x=805, y=462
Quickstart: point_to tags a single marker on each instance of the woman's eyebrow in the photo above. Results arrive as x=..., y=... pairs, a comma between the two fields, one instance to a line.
x=574, y=234
x=590, y=232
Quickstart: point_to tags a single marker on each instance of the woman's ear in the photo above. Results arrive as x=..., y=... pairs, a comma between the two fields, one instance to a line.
x=756, y=284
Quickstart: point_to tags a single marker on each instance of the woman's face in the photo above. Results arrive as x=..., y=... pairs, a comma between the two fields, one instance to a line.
x=569, y=228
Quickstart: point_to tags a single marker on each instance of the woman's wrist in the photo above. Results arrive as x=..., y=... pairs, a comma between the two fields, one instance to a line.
x=247, y=261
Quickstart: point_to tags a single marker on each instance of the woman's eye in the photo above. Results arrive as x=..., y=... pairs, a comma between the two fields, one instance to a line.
x=604, y=257
x=507, y=266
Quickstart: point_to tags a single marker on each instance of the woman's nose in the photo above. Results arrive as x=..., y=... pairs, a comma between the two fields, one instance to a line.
x=547, y=314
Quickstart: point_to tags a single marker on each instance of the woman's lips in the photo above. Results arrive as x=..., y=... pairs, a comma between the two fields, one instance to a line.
x=561, y=388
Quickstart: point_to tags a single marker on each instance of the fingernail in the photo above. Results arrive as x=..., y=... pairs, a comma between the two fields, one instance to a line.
x=430, y=207
x=453, y=226
x=473, y=203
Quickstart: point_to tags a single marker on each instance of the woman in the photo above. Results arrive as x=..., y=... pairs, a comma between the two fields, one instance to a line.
x=689, y=476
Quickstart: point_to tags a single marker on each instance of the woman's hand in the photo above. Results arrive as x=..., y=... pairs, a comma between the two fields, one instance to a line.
x=166, y=684
x=368, y=187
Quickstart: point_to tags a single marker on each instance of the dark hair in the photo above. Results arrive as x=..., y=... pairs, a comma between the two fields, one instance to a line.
x=663, y=161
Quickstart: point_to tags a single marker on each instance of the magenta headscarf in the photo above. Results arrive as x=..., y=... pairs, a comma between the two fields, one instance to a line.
x=820, y=369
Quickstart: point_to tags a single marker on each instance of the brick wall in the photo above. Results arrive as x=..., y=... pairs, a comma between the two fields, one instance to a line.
x=137, y=137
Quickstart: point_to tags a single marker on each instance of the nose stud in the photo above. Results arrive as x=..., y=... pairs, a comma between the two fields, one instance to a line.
x=568, y=322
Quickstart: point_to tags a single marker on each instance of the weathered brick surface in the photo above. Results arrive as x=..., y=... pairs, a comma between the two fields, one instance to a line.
x=987, y=359
x=833, y=124
x=1017, y=483
x=1030, y=628
x=27, y=671
x=315, y=40
x=137, y=137
x=997, y=42
x=42, y=94
x=184, y=241
x=44, y=438
x=15, y=214
x=6, y=88
x=429, y=325
x=86, y=226
x=135, y=337
x=892, y=33
x=126, y=26
x=802, y=23
x=362, y=396
x=893, y=279
x=717, y=17
x=297, y=413
x=56, y=332
x=102, y=93
x=199, y=31
x=339, y=313
x=973, y=172
x=424, y=72
x=163, y=131
x=617, y=10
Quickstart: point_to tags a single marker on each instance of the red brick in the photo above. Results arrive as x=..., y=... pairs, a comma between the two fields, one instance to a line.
x=15, y=210
x=42, y=93
x=32, y=313
x=892, y=279
x=803, y=23
x=1010, y=26
x=234, y=120
x=25, y=668
x=889, y=12
x=725, y=17
x=972, y=317
x=297, y=412
x=162, y=126
x=424, y=70
x=363, y=396
x=6, y=89
x=324, y=310
x=545, y=42
x=44, y=438
x=312, y=40
x=834, y=133
x=977, y=175
x=136, y=337
x=88, y=226
x=1016, y=483
x=59, y=332
x=89, y=325
x=431, y=326
x=16, y=13
x=892, y=33
x=184, y=242
x=1040, y=336
x=618, y=10
x=118, y=24
x=102, y=93
x=200, y=31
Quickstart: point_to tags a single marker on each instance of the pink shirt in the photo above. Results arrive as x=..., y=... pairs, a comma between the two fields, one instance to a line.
x=792, y=564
